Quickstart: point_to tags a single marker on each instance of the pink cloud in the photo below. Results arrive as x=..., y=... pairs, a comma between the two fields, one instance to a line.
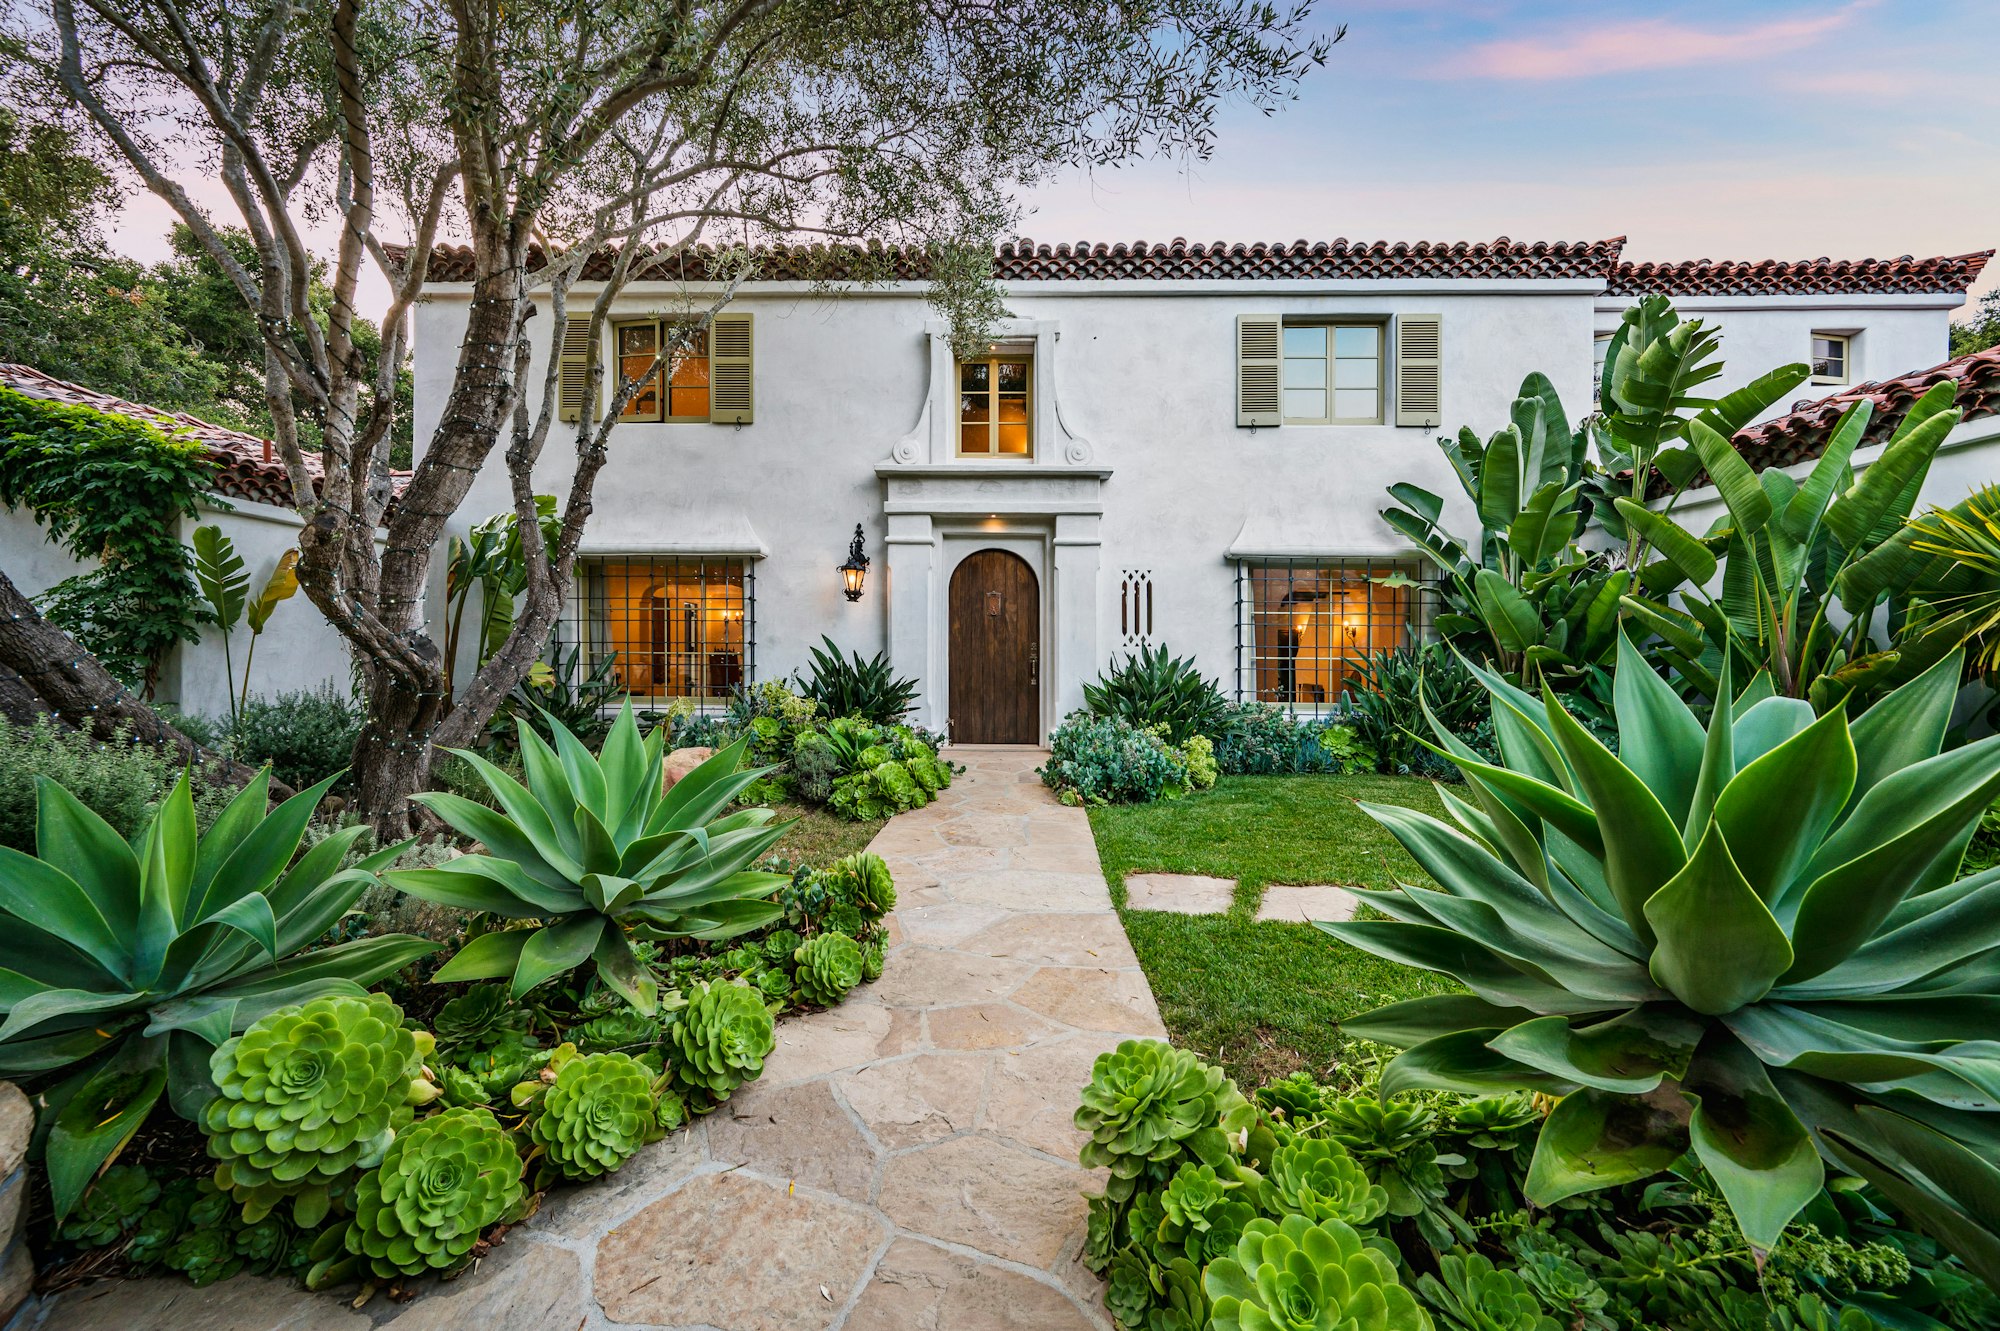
x=1615, y=48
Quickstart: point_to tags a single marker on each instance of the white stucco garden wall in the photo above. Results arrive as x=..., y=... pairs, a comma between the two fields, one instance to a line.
x=299, y=649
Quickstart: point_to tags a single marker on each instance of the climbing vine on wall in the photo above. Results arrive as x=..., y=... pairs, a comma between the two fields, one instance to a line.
x=110, y=490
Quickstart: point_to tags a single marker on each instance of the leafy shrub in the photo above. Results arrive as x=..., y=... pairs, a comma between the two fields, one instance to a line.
x=1107, y=760
x=882, y=770
x=116, y=780
x=206, y=929
x=308, y=1094
x=1260, y=739
x=1152, y=688
x=306, y=736
x=111, y=490
x=1201, y=766
x=646, y=874
x=1385, y=710
x=850, y=686
x=1731, y=963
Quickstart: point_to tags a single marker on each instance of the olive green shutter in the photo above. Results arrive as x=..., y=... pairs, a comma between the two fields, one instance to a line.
x=1420, y=370
x=573, y=374
x=1257, y=366
x=730, y=394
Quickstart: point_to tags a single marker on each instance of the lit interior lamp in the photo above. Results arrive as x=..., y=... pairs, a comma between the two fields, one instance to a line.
x=855, y=569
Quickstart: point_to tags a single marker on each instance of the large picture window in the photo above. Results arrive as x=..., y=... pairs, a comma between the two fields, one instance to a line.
x=675, y=391
x=680, y=627
x=1305, y=627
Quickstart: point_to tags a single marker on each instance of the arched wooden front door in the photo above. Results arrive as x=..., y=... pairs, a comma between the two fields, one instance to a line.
x=996, y=629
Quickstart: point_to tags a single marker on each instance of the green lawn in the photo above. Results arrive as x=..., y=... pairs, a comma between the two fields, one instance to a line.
x=1263, y=999
x=819, y=838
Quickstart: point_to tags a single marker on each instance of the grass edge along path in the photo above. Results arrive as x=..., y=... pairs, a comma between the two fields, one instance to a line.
x=1262, y=999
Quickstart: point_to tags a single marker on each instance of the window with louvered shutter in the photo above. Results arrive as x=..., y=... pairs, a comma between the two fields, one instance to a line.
x=731, y=396
x=1257, y=369
x=573, y=374
x=1420, y=370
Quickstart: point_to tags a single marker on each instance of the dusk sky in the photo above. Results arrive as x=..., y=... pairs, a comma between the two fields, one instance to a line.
x=1698, y=128
x=1703, y=128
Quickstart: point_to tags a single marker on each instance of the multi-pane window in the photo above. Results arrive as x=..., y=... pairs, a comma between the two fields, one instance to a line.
x=1333, y=374
x=1306, y=627
x=993, y=406
x=1829, y=358
x=1600, y=352
x=673, y=627
x=676, y=386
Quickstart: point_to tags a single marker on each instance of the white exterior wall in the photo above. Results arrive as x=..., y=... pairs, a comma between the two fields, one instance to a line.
x=1888, y=335
x=1143, y=464
x=299, y=649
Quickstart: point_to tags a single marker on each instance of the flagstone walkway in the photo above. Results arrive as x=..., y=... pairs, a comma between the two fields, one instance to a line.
x=906, y=1163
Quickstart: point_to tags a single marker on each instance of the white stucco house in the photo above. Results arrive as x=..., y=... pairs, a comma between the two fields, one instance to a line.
x=1169, y=443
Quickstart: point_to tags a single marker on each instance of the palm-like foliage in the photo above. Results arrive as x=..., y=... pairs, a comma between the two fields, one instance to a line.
x=594, y=850
x=1151, y=687
x=1720, y=939
x=850, y=686
x=126, y=964
x=1788, y=548
x=1960, y=578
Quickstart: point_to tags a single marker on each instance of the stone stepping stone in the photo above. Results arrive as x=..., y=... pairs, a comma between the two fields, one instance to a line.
x=1180, y=893
x=1311, y=901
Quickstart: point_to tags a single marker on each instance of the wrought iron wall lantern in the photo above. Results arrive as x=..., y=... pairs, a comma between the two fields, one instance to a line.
x=856, y=568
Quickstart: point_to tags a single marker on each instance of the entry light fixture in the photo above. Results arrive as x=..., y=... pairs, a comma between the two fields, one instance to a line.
x=856, y=568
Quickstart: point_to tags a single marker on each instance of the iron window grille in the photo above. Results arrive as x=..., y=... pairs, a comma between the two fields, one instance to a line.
x=1305, y=627
x=675, y=628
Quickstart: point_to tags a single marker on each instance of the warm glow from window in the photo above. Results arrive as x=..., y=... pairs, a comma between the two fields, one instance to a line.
x=1313, y=625
x=993, y=404
x=680, y=627
x=681, y=387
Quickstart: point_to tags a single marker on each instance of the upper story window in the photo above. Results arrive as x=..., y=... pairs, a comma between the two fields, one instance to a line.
x=995, y=397
x=676, y=390
x=1332, y=373
x=1830, y=358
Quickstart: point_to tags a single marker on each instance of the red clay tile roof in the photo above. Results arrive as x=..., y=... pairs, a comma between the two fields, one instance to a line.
x=1802, y=434
x=1026, y=261
x=246, y=465
x=1775, y=277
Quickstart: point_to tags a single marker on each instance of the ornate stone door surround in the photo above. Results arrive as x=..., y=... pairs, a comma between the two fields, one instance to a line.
x=941, y=507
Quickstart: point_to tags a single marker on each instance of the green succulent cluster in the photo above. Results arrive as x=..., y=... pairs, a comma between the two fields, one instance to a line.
x=195, y=1228
x=720, y=1040
x=480, y=1076
x=595, y=1113
x=826, y=966
x=114, y=1205
x=441, y=1183
x=1319, y=1180
x=628, y=1029
x=865, y=880
x=1149, y=1104
x=872, y=961
x=308, y=1095
x=1294, y=1275
x=1469, y=1293
x=483, y=1016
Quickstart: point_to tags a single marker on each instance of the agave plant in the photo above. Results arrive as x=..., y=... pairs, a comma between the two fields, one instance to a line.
x=126, y=964
x=1718, y=940
x=593, y=850
x=850, y=686
x=1152, y=688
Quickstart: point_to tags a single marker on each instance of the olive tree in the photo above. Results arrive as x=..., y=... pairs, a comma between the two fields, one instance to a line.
x=545, y=132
